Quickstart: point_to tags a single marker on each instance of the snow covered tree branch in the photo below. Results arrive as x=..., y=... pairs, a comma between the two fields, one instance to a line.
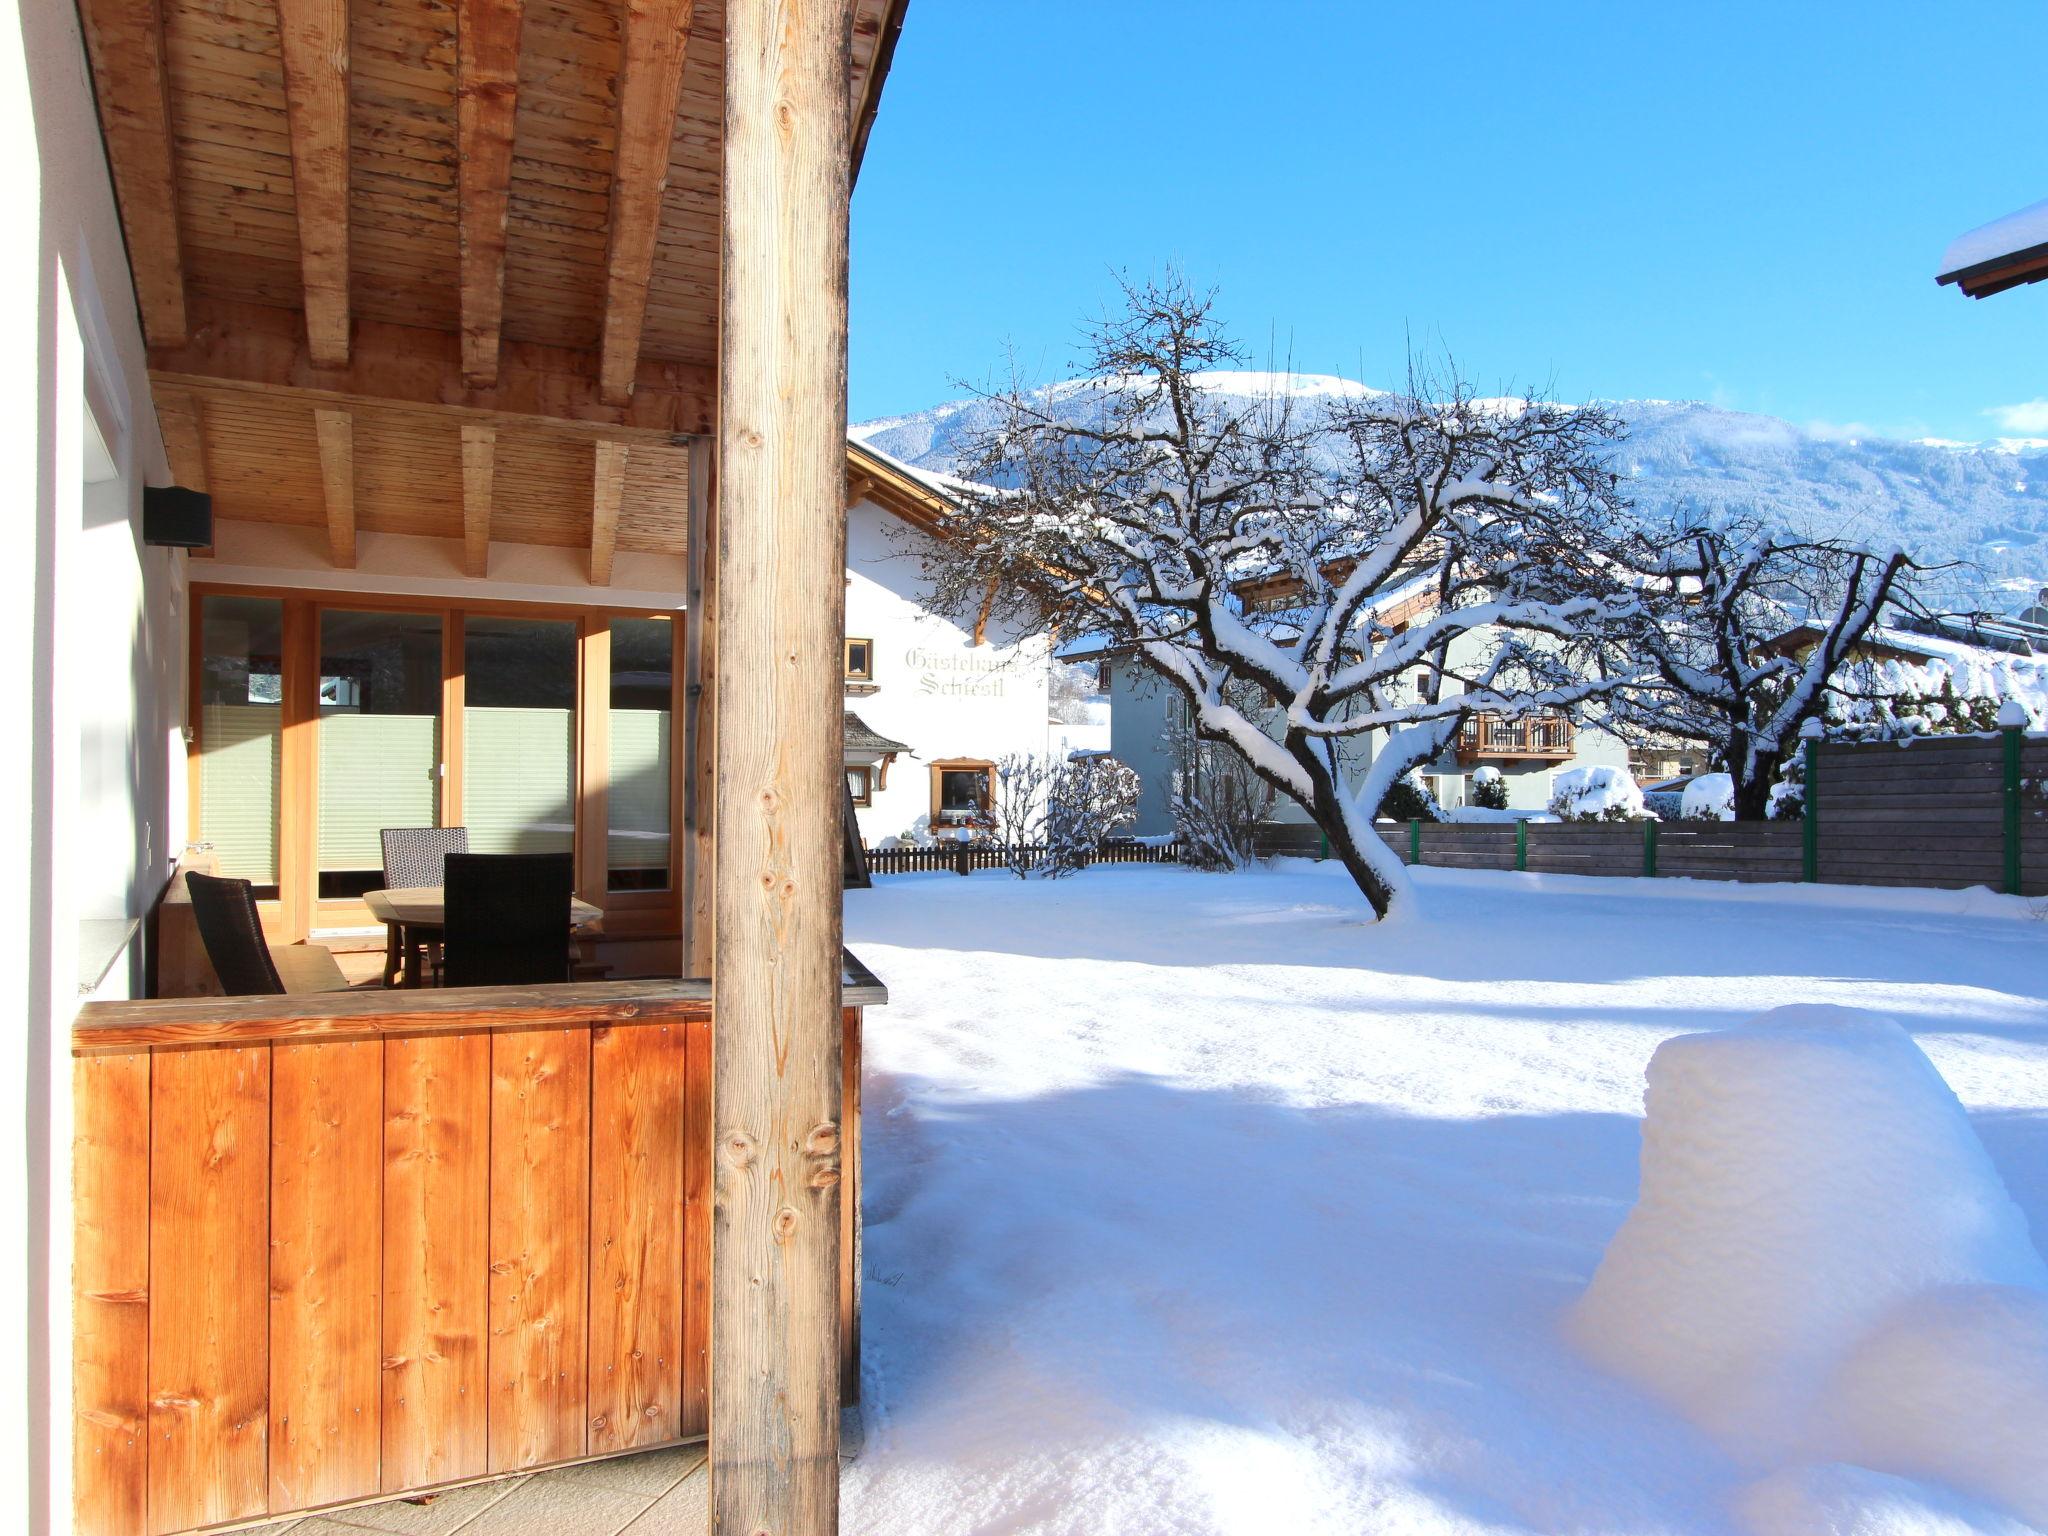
x=1411, y=560
x=1748, y=630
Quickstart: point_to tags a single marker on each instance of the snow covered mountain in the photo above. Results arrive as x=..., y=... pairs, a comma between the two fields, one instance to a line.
x=1981, y=503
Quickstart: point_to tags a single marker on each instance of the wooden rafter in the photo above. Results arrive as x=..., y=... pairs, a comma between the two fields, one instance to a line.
x=336, y=430
x=608, y=484
x=486, y=96
x=479, y=465
x=657, y=35
x=313, y=37
x=256, y=346
x=126, y=41
x=181, y=419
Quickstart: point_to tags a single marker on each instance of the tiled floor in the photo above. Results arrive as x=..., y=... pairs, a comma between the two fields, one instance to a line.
x=659, y=1494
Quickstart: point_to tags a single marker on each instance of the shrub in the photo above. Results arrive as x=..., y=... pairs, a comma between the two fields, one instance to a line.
x=1490, y=789
x=1408, y=799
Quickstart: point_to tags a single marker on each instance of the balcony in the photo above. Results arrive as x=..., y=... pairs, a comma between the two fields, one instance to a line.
x=1500, y=738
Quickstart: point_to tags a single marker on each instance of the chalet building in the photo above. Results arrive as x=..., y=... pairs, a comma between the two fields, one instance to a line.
x=499, y=354
x=934, y=701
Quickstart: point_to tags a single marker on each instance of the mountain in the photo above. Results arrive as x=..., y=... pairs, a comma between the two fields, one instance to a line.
x=1984, y=504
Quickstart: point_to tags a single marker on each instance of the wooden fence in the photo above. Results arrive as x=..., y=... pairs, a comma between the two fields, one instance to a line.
x=966, y=858
x=1942, y=811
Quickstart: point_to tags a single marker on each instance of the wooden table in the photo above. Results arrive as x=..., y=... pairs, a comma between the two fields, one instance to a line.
x=415, y=915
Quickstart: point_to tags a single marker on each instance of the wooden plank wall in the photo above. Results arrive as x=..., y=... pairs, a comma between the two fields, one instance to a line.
x=312, y=1272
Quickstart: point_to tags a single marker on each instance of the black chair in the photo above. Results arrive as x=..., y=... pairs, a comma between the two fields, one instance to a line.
x=413, y=855
x=507, y=919
x=225, y=911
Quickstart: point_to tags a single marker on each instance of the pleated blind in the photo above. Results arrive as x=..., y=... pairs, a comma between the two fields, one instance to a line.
x=638, y=801
x=518, y=779
x=240, y=746
x=376, y=771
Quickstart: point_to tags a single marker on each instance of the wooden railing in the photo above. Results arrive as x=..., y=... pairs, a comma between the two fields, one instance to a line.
x=341, y=1247
x=1524, y=736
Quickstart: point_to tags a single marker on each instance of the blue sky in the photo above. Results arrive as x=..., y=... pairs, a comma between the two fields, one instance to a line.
x=1737, y=203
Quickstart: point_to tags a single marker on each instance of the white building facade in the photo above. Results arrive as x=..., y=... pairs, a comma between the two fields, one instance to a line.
x=942, y=698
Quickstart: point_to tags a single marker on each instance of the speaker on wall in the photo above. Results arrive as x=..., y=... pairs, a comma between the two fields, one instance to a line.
x=175, y=516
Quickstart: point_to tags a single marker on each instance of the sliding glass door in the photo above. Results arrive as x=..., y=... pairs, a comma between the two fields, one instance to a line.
x=519, y=734
x=379, y=740
x=239, y=735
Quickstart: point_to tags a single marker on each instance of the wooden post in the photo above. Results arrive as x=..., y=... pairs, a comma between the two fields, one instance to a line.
x=2010, y=746
x=776, y=1049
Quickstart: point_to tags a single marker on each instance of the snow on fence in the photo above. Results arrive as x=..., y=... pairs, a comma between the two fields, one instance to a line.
x=1943, y=811
x=964, y=858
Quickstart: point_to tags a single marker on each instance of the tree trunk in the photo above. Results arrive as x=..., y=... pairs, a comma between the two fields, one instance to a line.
x=1753, y=794
x=1352, y=839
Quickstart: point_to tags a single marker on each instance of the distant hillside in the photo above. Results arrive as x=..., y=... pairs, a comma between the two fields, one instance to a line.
x=1982, y=503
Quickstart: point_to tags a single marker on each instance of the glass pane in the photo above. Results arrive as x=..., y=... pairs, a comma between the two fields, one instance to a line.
x=380, y=739
x=241, y=734
x=962, y=793
x=643, y=672
x=519, y=734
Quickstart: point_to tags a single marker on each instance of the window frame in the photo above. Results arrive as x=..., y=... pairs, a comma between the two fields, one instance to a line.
x=865, y=674
x=944, y=766
x=865, y=795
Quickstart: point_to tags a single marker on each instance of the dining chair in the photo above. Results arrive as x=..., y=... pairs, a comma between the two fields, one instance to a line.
x=413, y=855
x=507, y=919
x=231, y=930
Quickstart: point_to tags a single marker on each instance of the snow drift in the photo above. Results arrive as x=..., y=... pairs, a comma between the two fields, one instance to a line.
x=1824, y=1265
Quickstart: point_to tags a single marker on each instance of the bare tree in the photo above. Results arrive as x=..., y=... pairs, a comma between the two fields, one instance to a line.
x=1234, y=545
x=1749, y=631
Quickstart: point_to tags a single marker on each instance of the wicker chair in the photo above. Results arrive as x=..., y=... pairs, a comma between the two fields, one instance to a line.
x=225, y=911
x=507, y=919
x=415, y=856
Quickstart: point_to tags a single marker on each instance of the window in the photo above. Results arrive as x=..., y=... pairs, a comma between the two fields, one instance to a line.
x=637, y=806
x=860, y=783
x=860, y=661
x=241, y=734
x=380, y=740
x=961, y=791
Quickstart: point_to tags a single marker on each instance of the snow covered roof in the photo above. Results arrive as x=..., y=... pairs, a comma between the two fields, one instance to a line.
x=918, y=496
x=863, y=738
x=2000, y=255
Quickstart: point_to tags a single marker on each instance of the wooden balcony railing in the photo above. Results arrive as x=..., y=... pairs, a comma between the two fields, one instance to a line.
x=339, y=1247
x=1487, y=738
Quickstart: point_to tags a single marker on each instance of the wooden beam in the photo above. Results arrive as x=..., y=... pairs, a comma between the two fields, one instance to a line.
x=608, y=485
x=244, y=345
x=313, y=41
x=656, y=38
x=338, y=483
x=486, y=96
x=776, y=1053
x=125, y=39
x=479, y=467
x=181, y=420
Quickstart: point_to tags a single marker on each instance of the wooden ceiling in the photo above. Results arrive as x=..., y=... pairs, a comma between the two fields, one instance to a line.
x=446, y=267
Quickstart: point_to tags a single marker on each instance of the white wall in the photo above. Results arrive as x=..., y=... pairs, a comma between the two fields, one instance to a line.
x=89, y=771
x=935, y=689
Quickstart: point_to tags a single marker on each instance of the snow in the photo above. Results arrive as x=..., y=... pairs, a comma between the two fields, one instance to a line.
x=1709, y=797
x=1200, y=1203
x=2015, y=232
x=1599, y=790
x=1802, y=1175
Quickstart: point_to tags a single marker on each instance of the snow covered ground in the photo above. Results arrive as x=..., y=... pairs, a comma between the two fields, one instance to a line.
x=1199, y=1203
